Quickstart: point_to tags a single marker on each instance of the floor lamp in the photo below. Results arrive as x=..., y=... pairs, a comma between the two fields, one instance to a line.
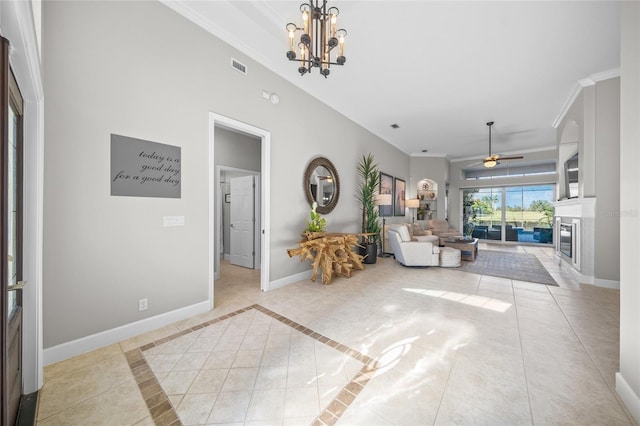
x=383, y=200
x=413, y=203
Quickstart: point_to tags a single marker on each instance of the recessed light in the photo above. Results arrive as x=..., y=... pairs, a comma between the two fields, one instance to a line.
x=395, y=126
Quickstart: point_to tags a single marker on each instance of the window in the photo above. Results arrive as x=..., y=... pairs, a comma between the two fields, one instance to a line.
x=545, y=168
x=517, y=213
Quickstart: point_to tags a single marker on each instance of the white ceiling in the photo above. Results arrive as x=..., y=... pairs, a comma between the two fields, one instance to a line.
x=440, y=70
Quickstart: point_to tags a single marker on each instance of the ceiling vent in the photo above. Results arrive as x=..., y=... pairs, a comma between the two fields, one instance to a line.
x=238, y=66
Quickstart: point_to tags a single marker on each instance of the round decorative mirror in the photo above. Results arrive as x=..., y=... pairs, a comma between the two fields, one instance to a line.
x=322, y=184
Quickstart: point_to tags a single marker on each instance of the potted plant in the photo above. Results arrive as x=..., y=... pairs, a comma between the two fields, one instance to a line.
x=315, y=224
x=421, y=212
x=366, y=194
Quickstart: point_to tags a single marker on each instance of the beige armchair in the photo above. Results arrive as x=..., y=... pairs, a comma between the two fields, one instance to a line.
x=440, y=227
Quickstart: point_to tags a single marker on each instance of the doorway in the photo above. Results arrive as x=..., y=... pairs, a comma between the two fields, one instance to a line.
x=264, y=136
x=237, y=212
x=241, y=235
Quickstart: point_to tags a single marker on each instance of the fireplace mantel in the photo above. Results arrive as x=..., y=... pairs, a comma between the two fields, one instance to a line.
x=576, y=207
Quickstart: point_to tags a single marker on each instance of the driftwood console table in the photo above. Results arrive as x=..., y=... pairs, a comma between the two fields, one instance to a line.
x=332, y=253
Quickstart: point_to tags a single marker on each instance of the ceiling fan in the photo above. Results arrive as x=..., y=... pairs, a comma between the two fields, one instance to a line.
x=492, y=160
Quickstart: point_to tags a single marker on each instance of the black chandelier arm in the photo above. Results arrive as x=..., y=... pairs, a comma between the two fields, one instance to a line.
x=312, y=62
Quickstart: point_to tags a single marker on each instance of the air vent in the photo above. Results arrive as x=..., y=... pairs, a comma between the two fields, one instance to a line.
x=238, y=66
x=394, y=126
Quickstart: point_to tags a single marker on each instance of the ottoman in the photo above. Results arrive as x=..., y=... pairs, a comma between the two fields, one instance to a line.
x=449, y=257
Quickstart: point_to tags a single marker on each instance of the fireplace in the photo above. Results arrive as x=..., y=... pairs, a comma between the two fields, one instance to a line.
x=566, y=239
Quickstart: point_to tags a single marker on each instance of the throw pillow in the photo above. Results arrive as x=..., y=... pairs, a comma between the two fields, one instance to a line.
x=418, y=230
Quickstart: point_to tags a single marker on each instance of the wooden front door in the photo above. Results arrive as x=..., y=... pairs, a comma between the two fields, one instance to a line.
x=10, y=238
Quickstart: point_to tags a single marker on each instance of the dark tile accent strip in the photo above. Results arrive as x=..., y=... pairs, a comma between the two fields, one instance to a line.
x=163, y=413
x=158, y=403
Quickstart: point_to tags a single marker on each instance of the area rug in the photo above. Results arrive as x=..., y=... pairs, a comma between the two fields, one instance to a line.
x=515, y=266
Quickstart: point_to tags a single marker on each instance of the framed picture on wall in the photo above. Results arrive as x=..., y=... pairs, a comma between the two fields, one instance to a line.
x=386, y=188
x=399, y=189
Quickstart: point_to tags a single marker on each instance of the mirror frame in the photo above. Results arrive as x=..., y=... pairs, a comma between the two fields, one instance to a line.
x=321, y=162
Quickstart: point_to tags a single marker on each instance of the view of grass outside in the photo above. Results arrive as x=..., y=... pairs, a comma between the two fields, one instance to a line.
x=527, y=212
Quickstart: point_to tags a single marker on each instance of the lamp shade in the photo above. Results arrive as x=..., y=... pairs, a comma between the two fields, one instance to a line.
x=413, y=203
x=383, y=199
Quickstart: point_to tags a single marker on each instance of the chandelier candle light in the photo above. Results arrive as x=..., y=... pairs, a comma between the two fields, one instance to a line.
x=318, y=39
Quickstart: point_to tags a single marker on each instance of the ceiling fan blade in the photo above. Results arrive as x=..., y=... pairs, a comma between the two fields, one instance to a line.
x=516, y=157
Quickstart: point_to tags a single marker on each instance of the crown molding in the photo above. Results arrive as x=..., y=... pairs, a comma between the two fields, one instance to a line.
x=577, y=89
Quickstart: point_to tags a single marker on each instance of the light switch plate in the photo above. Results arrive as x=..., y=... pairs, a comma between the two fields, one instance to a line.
x=173, y=221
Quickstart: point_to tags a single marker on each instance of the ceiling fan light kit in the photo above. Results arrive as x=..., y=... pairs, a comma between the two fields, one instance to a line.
x=319, y=36
x=492, y=160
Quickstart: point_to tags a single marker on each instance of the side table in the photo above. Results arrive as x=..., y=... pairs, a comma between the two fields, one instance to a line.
x=468, y=248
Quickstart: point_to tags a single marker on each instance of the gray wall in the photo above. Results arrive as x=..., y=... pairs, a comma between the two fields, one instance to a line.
x=139, y=69
x=596, y=111
x=607, y=182
x=235, y=149
x=628, y=380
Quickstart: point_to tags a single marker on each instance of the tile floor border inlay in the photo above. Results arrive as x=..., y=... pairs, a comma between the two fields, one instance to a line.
x=163, y=413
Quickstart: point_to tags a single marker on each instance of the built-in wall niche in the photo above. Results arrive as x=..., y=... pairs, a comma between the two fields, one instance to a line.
x=427, y=193
x=568, y=175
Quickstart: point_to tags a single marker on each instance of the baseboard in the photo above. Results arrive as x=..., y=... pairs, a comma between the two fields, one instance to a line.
x=273, y=285
x=600, y=282
x=629, y=397
x=591, y=280
x=104, y=338
x=586, y=279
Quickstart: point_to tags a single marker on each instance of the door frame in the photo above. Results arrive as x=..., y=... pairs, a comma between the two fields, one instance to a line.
x=17, y=24
x=217, y=120
x=219, y=226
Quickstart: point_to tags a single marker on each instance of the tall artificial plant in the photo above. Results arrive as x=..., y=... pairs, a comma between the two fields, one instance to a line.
x=366, y=194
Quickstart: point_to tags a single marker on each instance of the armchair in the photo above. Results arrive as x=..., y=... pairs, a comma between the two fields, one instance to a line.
x=412, y=253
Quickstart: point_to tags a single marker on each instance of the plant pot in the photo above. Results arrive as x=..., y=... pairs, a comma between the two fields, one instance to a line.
x=370, y=253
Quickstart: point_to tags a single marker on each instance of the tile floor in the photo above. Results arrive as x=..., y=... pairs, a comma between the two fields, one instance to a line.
x=391, y=345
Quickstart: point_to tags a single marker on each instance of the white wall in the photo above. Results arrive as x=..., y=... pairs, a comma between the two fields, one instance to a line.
x=628, y=379
x=139, y=69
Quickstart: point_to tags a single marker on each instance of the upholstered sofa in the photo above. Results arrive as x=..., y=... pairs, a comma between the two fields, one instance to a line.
x=416, y=231
x=410, y=252
x=440, y=227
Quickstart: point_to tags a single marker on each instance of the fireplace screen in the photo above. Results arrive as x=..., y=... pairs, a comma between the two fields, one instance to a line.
x=565, y=239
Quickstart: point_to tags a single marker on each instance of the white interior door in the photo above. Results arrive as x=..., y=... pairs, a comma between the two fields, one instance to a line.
x=242, y=221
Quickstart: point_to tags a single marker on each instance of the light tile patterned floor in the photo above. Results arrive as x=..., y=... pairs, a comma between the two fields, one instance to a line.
x=251, y=365
x=451, y=348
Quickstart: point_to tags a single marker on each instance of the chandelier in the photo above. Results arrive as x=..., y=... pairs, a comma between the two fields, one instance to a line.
x=318, y=39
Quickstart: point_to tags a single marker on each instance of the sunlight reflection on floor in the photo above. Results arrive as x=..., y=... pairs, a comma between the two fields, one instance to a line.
x=467, y=299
